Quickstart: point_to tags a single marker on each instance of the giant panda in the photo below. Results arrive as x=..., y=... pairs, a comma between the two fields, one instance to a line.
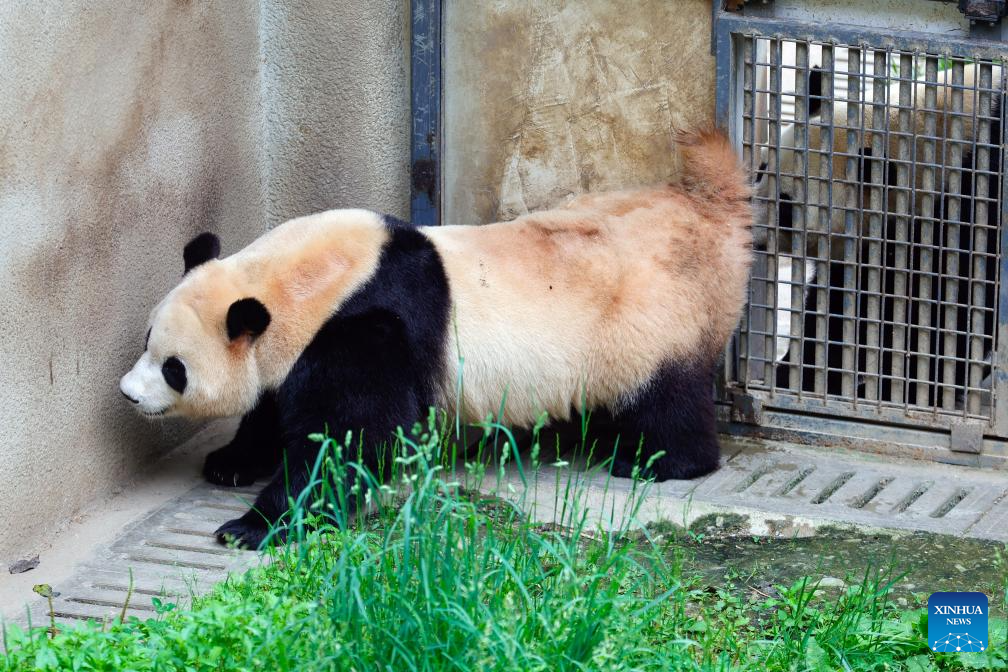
x=617, y=302
x=845, y=189
x=882, y=172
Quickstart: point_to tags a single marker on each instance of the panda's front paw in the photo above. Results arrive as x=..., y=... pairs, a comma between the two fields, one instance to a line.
x=249, y=532
x=226, y=467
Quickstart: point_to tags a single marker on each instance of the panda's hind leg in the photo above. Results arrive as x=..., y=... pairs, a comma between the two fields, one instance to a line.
x=673, y=414
x=254, y=451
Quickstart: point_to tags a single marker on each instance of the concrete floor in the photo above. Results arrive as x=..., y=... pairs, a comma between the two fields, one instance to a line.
x=784, y=490
x=161, y=528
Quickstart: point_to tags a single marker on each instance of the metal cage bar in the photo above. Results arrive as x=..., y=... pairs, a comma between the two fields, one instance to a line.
x=876, y=294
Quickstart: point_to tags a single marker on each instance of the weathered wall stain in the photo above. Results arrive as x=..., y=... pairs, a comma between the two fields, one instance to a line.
x=544, y=100
x=116, y=129
x=123, y=134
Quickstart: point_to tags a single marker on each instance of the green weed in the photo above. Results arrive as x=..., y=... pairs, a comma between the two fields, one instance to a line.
x=433, y=575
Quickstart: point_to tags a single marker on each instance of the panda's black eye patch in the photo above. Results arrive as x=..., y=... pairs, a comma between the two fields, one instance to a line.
x=147, y=340
x=174, y=374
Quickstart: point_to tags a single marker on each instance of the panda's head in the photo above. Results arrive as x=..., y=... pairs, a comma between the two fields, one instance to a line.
x=198, y=359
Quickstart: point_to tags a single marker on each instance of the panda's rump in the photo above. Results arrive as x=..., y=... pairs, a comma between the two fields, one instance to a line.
x=585, y=304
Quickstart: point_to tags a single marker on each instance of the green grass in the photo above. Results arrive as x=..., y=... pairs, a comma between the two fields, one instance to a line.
x=438, y=577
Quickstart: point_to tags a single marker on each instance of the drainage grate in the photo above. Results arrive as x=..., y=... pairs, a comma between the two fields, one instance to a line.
x=872, y=492
x=172, y=554
x=834, y=485
x=851, y=489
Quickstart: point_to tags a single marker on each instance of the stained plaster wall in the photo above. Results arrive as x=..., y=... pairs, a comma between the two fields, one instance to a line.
x=124, y=130
x=545, y=99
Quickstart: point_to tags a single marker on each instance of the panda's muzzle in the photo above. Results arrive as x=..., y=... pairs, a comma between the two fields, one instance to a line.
x=142, y=388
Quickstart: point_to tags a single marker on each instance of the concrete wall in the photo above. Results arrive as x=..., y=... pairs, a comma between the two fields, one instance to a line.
x=335, y=86
x=547, y=99
x=123, y=132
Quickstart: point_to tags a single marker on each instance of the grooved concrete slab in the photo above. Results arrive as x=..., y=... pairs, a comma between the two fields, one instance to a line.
x=159, y=527
x=994, y=524
x=171, y=553
x=788, y=489
x=779, y=490
x=919, y=496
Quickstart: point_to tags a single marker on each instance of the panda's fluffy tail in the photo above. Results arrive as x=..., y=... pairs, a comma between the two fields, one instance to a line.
x=711, y=169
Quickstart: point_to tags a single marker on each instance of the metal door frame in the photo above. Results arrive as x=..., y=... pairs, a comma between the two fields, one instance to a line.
x=425, y=99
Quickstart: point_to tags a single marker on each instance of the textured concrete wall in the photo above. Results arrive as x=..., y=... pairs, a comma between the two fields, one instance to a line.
x=551, y=98
x=122, y=133
x=335, y=81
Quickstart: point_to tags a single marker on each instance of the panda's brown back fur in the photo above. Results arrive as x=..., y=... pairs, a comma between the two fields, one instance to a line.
x=587, y=301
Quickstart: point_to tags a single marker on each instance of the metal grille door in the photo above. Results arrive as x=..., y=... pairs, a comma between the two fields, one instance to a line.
x=878, y=229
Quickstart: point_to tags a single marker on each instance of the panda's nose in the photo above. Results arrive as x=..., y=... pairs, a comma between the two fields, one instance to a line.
x=132, y=400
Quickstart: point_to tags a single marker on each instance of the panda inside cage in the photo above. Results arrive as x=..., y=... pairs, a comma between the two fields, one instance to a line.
x=878, y=178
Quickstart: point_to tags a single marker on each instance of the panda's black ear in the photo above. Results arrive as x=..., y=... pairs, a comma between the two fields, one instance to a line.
x=247, y=317
x=200, y=250
x=815, y=93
